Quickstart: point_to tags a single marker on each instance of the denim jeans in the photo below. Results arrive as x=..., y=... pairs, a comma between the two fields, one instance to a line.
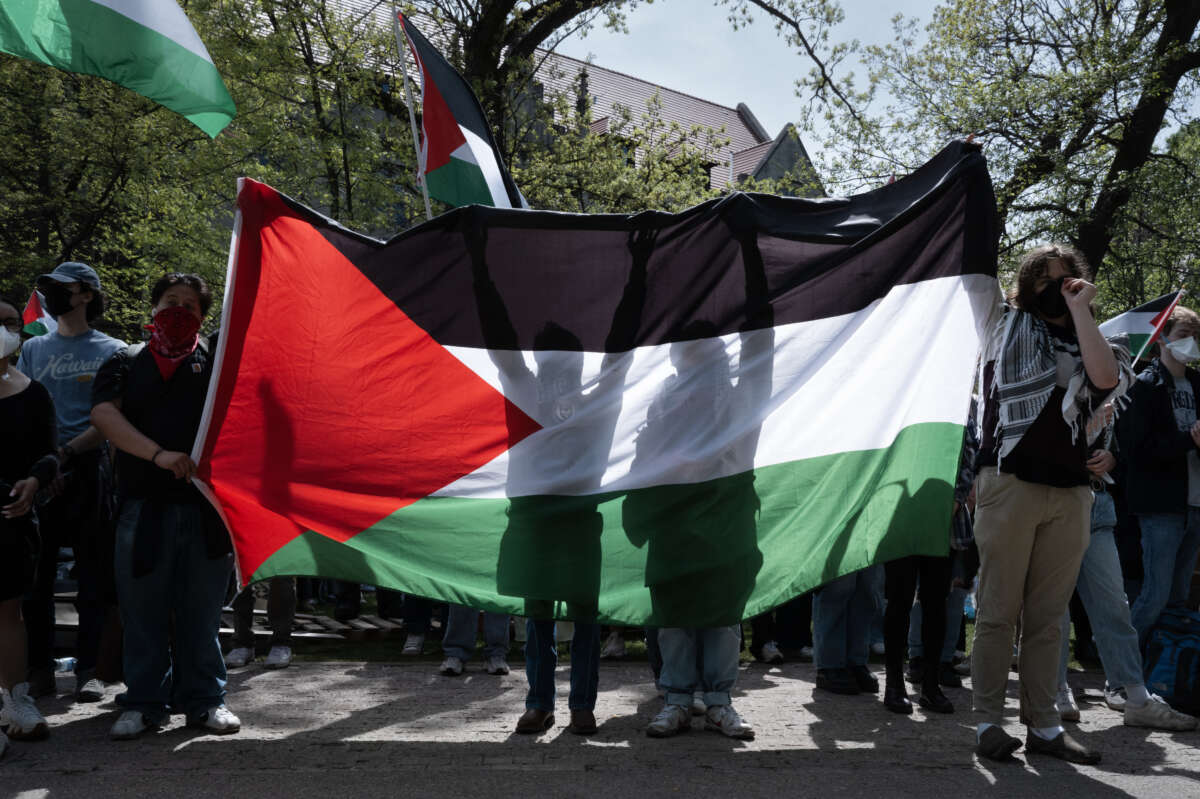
x=1170, y=543
x=1102, y=590
x=843, y=612
x=171, y=616
x=281, y=612
x=714, y=671
x=541, y=657
x=459, y=638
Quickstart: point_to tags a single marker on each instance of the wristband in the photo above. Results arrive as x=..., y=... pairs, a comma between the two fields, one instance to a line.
x=154, y=457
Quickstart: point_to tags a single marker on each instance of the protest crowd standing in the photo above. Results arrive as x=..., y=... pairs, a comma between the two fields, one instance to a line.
x=1065, y=433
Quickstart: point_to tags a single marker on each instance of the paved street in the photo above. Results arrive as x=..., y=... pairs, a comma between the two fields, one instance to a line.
x=354, y=729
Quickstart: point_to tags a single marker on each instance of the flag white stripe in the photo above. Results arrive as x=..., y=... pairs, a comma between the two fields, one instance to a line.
x=164, y=17
x=840, y=384
x=485, y=157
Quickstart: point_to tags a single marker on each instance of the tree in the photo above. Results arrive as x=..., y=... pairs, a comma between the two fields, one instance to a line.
x=1068, y=98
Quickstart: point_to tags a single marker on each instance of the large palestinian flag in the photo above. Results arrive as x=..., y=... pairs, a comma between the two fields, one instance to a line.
x=460, y=162
x=1143, y=323
x=148, y=46
x=684, y=419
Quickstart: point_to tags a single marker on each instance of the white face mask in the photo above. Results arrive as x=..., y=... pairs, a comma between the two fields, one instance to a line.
x=10, y=342
x=1184, y=350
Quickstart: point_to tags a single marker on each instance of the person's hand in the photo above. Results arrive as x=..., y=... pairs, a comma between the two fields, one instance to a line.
x=22, y=494
x=177, y=463
x=1101, y=463
x=1195, y=431
x=1079, y=294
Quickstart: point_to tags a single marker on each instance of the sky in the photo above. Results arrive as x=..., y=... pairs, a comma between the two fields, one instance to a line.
x=689, y=46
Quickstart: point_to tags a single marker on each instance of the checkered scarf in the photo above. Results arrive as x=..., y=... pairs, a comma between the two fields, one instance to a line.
x=1026, y=372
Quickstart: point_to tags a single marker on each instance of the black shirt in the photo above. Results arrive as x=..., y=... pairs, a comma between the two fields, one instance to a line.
x=165, y=411
x=27, y=436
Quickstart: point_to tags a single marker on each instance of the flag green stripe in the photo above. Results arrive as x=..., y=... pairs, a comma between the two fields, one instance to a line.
x=35, y=329
x=820, y=518
x=458, y=183
x=82, y=36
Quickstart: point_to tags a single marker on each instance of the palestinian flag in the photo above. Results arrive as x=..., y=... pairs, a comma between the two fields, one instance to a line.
x=460, y=162
x=148, y=46
x=1143, y=323
x=35, y=319
x=684, y=418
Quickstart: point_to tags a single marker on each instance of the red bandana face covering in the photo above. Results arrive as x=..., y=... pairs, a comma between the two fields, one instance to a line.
x=174, y=336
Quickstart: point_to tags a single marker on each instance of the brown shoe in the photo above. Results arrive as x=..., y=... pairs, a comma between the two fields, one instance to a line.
x=583, y=722
x=1062, y=746
x=533, y=721
x=996, y=744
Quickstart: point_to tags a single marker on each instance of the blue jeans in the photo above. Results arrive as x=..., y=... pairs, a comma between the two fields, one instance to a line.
x=171, y=616
x=1170, y=543
x=716, y=671
x=459, y=639
x=541, y=656
x=843, y=612
x=1102, y=590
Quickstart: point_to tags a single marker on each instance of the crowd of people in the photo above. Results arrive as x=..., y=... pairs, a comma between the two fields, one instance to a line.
x=1068, y=458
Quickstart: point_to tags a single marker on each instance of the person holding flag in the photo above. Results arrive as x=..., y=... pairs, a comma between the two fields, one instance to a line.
x=1160, y=437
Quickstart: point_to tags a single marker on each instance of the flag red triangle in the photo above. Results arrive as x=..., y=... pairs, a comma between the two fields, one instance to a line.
x=333, y=409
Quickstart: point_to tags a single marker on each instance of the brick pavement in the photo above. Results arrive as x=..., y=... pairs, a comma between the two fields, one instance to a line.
x=367, y=729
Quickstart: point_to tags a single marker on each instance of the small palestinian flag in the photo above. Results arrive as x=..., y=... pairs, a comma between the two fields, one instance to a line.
x=35, y=319
x=460, y=162
x=148, y=46
x=1143, y=323
x=682, y=419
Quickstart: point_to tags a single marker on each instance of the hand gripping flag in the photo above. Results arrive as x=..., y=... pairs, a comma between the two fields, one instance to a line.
x=459, y=158
x=682, y=419
x=1143, y=323
x=148, y=46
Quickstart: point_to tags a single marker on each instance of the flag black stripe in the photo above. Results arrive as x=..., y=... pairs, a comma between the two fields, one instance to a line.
x=484, y=277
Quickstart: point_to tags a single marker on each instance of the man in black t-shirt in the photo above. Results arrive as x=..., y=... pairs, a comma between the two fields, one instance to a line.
x=173, y=556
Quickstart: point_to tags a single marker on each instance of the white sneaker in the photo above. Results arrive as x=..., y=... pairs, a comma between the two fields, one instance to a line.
x=725, y=720
x=771, y=653
x=671, y=720
x=217, y=720
x=496, y=664
x=239, y=656
x=452, y=666
x=129, y=725
x=280, y=657
x=20, y=715
x=1115, y=698
x=413, y=645
x=614, y=646
x=1158, y=715
x=1068, y=710
x=698, y=706
x=878, y=648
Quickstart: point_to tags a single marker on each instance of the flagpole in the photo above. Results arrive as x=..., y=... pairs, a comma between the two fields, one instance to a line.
x=412, y=117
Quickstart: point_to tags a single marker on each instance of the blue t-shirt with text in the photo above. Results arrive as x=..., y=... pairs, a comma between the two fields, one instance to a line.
x=66, y=366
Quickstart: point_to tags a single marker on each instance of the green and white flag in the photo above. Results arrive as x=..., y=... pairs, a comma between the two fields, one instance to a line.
x=148, y=46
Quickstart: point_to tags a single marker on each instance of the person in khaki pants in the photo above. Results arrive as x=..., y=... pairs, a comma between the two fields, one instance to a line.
x=1047, y=369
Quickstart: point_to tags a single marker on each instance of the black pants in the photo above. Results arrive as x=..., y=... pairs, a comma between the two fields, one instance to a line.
x=789, y=625
x=902, y=579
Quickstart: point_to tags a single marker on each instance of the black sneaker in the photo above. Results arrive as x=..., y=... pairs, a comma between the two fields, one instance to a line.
x=837, y=681
x=947, y=676
x=866, y=681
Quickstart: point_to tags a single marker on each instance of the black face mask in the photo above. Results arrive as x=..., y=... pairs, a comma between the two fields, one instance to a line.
x=1050, y=302
x=58, y=299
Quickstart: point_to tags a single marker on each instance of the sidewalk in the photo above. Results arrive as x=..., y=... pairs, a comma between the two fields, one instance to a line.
x=353, y=729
